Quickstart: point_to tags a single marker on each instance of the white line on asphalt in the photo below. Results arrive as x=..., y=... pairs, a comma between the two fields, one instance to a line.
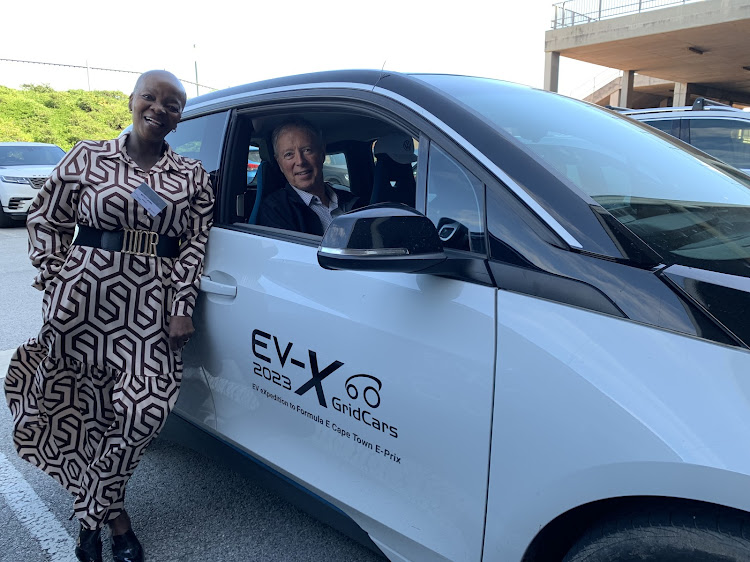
x=33, y=514
x=4, y=361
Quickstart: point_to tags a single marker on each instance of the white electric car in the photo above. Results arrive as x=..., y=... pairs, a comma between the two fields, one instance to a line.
x=24, y=167
x=530, y=345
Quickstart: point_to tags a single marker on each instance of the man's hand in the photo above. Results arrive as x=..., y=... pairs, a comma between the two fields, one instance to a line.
x=180, y=330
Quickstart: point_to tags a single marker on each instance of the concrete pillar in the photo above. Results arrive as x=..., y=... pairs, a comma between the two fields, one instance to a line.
x=614, y=99
x=551, y=70
x=626, y=88
x=680, y=94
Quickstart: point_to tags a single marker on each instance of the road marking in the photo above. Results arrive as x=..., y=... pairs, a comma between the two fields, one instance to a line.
x=5, y=361
x=34, y=515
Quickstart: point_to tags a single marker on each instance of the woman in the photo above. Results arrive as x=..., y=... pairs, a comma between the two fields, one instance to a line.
x=95, y=387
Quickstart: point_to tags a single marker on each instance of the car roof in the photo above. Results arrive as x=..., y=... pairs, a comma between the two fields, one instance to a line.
x=367, y=77
x=406, y=85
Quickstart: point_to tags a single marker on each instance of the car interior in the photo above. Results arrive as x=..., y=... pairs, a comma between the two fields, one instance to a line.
x=350, y=139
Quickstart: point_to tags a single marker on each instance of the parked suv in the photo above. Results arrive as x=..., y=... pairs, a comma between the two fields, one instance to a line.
x=531, y=343
x=718, y=129
x=24, y=167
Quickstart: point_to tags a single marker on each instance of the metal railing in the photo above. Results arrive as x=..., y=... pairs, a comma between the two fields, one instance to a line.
x=575, y=12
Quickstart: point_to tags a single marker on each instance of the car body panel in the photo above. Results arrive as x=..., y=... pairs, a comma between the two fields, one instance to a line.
x=24, y=192
x=418, y=471
x=665, y=421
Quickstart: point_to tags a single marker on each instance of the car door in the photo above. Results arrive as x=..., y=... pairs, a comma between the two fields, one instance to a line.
x=372, y=390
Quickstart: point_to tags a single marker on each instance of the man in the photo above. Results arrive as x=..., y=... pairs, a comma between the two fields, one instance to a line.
x=306, y=203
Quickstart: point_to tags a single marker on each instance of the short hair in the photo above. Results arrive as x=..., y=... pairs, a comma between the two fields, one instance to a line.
x=165, y=75
x=297, y=123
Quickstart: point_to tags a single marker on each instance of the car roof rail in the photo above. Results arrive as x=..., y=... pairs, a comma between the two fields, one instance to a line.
x=655, y=110
x=703, y=103
x=616, y=108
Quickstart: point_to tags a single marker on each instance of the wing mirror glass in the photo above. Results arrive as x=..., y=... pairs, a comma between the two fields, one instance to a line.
x=383, y=237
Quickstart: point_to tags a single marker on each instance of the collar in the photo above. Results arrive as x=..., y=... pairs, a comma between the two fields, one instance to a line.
x=308, y=197
x=115, y=148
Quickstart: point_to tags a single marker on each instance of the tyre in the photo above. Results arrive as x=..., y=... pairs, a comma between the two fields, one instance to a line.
x=667, y=535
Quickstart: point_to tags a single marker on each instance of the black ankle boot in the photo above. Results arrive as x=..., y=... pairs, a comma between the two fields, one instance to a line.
x=126, y=548
x=89, y=545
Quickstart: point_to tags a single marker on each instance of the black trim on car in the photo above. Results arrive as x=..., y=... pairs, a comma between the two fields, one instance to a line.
x=724, y=297
x=536, y=283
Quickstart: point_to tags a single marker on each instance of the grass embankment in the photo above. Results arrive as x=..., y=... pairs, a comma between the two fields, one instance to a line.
x=41, y=114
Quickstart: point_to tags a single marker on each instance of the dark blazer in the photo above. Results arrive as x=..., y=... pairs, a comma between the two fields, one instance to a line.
x=285, y=209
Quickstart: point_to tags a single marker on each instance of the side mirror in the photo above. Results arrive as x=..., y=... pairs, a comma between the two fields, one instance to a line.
x=382, y=237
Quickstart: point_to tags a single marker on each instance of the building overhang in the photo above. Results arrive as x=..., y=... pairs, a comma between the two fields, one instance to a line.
x=701, y=42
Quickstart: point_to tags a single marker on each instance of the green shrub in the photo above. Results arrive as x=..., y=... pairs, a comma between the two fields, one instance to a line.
x=37, y=113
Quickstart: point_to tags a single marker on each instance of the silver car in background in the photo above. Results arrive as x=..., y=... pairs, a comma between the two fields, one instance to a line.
x=24, y=167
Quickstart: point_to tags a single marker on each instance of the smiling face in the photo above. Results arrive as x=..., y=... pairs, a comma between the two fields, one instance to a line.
x=156, y=104
x=300, y=157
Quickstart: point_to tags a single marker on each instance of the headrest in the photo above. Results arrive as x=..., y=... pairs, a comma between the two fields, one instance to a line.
x=398, y=146
x=264, y=151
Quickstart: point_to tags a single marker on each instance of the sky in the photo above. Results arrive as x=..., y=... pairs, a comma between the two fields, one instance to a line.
x=233, y=42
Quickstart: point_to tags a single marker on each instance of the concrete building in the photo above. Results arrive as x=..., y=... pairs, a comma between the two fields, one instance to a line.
x=670, y=51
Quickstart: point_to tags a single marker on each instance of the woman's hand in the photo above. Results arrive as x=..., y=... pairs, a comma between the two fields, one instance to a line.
x=180, y=330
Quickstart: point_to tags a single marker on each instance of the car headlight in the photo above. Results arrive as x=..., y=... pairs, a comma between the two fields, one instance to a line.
x=14, y=179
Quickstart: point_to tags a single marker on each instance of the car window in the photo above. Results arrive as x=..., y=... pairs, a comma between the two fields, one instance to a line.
x=727, y=139
x=349, y=165
x=669, y=126
x=200, y=138
x=335, y=169
x=455, y=202
x=253, y=162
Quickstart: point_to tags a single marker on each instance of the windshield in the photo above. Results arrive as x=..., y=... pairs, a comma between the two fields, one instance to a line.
x=30, y=155
x=689, y=207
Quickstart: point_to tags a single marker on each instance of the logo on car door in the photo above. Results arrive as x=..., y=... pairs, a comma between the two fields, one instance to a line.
x=358, y=387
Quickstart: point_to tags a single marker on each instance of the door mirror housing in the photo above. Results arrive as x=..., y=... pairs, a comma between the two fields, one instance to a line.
x=382, y=237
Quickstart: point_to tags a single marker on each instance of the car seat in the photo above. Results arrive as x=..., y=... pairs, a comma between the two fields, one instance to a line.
x=268, y=179
x=393, y=182
x=393, y=178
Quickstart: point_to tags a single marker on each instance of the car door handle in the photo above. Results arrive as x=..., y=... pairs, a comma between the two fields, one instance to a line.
x=210, y=286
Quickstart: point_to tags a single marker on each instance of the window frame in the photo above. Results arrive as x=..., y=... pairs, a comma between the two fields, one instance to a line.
x=236, y=137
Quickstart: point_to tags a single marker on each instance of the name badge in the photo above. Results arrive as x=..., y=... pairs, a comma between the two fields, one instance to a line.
x=149, y=199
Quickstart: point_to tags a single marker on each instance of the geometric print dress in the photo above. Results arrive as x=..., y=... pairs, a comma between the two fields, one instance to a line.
x=94, y=388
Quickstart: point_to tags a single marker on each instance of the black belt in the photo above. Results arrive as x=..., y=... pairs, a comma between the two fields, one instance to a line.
x=128, y=241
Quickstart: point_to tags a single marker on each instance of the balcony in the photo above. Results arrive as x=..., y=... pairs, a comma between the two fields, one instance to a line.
x=576, y=12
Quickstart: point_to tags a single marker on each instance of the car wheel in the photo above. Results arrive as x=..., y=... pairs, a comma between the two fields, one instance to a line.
x=6, y=221
x=687, y=535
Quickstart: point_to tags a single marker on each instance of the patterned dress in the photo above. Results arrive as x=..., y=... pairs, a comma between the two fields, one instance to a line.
x=95, y=387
